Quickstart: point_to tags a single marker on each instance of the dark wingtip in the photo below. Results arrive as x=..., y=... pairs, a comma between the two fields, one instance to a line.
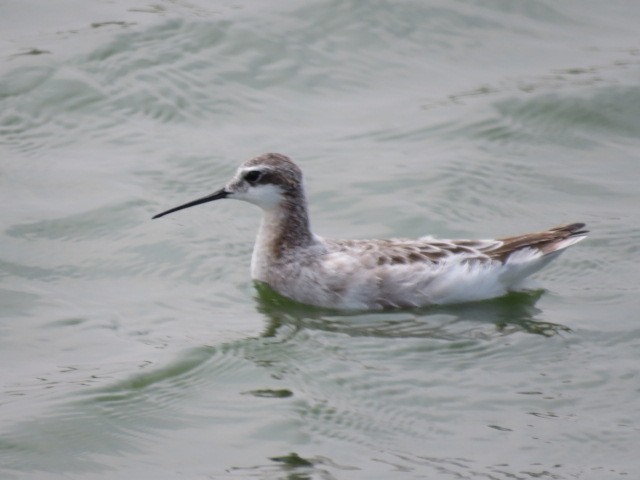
x=572, y=229
x=577, y=229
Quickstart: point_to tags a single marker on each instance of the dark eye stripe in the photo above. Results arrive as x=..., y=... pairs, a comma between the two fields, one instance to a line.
x=252, y=176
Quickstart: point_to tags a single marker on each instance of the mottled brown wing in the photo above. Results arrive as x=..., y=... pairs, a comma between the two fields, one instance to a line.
x=546, y=241
x=395, y=251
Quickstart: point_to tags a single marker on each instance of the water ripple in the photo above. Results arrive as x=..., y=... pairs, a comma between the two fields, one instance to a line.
x=136, y=344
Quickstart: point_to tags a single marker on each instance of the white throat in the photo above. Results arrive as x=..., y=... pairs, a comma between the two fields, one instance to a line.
x=268, y=234
x=266, y=197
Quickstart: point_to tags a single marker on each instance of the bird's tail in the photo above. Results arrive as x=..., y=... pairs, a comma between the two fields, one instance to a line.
x=562, y=237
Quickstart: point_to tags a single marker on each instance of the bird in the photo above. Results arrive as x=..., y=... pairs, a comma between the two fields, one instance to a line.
x=375, y=274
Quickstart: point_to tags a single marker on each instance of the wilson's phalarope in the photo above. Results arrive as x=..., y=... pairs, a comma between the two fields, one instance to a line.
x=374, y=274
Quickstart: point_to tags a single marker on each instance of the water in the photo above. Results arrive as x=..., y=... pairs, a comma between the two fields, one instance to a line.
x=134, y=348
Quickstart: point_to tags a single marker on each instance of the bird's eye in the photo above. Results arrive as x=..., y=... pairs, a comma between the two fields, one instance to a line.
x=252, y=176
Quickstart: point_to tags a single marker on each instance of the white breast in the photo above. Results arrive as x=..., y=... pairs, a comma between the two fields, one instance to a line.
x=262, y=250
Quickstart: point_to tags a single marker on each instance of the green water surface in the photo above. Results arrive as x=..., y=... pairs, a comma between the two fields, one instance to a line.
x=132, y=348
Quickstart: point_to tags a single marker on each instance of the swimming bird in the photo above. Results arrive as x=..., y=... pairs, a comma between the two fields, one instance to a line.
x=374, y=274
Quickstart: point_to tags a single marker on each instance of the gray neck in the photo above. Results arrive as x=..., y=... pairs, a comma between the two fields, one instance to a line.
x=289, y=225
x=283, y=228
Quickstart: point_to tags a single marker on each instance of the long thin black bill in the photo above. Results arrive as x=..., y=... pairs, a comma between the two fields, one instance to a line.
x=209, y=198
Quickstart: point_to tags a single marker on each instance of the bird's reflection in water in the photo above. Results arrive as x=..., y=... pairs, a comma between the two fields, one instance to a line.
x=512, y=313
